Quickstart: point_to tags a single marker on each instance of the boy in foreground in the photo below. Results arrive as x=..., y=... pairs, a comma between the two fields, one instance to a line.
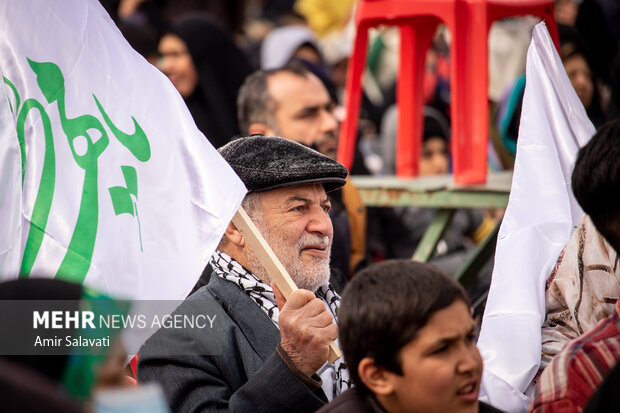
x=409, y=341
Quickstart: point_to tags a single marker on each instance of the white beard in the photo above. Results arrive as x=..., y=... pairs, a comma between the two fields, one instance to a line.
x=307, y=276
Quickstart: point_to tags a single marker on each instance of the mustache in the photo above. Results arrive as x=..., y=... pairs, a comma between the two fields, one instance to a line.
x=314, y=240
x=325, y=138
x=330, y=135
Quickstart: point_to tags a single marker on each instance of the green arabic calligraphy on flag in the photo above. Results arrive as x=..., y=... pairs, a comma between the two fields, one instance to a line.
x=114, y=187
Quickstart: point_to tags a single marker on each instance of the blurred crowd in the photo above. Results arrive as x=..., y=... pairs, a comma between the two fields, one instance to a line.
x=208, y=48
x=213, y=45
x=236, y=64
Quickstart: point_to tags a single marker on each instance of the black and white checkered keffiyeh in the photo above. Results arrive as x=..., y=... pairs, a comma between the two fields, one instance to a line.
x=335, y=376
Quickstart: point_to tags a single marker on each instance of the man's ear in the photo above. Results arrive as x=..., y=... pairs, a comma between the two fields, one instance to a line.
x=234, y=235
x=376, y=378
x=260, y=129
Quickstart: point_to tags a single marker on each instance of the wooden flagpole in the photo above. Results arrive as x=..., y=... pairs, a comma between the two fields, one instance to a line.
x=272, y=264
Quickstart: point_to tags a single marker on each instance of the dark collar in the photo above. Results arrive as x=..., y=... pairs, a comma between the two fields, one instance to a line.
x=256, y=326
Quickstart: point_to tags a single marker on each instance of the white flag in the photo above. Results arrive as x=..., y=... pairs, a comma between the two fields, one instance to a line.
x=120, y=190
x=10, y=190
x=539, y=220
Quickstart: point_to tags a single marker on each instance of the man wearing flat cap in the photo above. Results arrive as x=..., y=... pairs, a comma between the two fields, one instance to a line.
x=273, y=354
x=292, y=102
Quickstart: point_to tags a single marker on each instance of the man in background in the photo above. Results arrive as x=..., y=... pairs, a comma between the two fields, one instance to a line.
x=293, y=103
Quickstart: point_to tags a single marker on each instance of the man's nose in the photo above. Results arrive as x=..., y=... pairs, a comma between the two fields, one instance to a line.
x=329, y=123
x=320, y=222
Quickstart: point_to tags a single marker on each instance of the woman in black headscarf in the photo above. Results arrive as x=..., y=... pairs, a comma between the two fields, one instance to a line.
x=207, y=68
x=576, y=59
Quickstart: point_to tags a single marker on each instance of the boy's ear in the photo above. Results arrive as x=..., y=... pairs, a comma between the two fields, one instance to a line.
x=260, y=129
x=234, y=235
x=376, y=378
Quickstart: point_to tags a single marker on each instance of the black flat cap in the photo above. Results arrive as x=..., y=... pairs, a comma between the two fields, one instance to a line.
x=267, y=162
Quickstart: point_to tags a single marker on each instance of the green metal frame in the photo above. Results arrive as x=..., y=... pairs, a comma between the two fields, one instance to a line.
x=481, y=254
x=433, y=234
x=440, y=192
x=433, y=192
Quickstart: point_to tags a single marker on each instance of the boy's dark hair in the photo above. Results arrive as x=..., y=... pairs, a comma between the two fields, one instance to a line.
x=596, y=181
x=384, y=307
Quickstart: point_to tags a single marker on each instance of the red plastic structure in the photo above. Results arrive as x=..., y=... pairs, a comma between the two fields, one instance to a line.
x=469, y=22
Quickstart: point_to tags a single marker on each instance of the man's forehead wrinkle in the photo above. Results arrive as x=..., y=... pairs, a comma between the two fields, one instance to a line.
x=283, y=88
x=294, y=198
x=298, y=198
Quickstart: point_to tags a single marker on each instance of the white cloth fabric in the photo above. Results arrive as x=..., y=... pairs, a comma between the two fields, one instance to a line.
x=10, y=190
x=281, y=43
x=121, y=191
x=539, y=220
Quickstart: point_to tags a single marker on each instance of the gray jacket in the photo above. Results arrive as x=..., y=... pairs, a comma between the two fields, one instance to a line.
x=247, y=376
